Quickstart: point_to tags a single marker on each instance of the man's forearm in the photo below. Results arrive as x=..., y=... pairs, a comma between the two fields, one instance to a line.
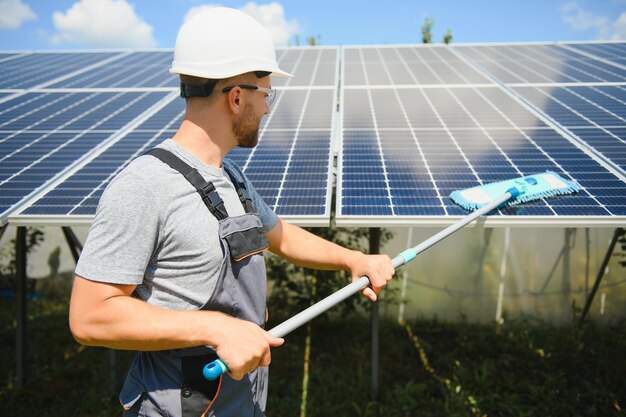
x=306, y=249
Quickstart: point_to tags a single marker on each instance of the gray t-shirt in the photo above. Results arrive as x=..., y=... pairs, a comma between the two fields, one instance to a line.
x=153, y=230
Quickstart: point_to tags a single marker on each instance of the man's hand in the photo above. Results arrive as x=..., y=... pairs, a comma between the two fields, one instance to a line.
x=244, y=346
x=378, y=268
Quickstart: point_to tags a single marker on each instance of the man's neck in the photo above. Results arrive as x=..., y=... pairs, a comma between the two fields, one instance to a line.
x=203, y=143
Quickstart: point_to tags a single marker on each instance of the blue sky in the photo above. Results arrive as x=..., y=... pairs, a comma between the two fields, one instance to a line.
x=81, y=24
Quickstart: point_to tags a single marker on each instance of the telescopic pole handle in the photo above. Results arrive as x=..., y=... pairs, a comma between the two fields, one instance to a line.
x=216, y=368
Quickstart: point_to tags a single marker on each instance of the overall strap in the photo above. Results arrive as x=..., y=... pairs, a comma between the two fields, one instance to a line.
x=207, y=190
x=246, y=202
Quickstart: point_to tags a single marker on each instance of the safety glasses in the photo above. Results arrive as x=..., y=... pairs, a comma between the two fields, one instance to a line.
x=270, y=93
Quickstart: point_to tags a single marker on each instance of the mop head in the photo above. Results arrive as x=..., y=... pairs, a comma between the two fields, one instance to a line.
x=530, y=188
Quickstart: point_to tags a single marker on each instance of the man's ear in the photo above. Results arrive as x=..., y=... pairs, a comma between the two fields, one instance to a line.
x=234, y=100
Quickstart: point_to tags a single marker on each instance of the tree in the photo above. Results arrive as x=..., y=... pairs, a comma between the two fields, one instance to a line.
x=427, y=27
x=427, y=32
x=313, y=40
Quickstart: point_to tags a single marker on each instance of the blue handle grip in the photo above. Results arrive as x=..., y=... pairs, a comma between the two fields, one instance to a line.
x=213, y=370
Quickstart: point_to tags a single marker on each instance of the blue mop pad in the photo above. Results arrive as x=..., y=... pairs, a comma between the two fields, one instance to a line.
x=529, y=188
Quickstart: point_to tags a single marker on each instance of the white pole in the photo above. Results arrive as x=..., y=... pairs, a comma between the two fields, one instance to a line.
x=507, y=243
x=405, y=276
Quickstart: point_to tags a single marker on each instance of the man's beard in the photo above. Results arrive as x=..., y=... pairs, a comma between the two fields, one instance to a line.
x=246, y=129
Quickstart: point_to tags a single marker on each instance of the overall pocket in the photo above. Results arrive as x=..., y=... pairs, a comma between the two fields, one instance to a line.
x=244, y=236
x=196, y=393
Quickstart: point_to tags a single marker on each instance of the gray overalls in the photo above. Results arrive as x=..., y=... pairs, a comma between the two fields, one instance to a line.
x=170, y=383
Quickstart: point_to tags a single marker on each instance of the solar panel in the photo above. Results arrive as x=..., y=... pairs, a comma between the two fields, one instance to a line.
x=613, y=51
x=6, y=56
x=405, y=148
x=33, y=69
x=290, y=167
x=406, y=65
x=134, y=70
x=42, y=134
x=594, y=114
x=540, y=63
x=311, y=66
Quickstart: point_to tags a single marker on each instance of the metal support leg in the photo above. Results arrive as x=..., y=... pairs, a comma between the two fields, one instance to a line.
x=75, y=246
x=567, y=246
x=619, y=232
x=20, y=306
x=503, y=267
x=570, y=234
x=587, y=257
x=375, y=248
x=405, y=276
x=478, y=277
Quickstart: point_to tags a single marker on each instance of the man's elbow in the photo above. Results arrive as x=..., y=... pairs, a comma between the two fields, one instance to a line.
x=82, y=329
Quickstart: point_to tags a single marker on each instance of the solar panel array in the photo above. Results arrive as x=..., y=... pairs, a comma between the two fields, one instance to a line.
x=417, y=124
x=414, y=123
x=290, y=167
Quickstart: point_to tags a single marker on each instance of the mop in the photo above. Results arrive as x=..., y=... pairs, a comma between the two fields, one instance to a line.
x=480, y=200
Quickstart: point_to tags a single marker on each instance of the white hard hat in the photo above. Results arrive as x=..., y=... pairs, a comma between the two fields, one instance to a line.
x=220, y=42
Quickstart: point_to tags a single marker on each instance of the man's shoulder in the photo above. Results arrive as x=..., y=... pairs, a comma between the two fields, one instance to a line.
x=145, y=168
x=233, y=168
x=143, y=173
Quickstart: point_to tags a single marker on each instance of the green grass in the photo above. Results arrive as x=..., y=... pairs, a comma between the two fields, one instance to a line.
x=524, y=368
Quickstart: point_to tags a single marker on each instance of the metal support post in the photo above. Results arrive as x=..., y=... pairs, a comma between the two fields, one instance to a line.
x=75, y=246
x=503, y=266
x=478, y=277
x=619, y=232
x=375, y=248
x=405, y=277
x=566, y=284
x=20, y=306
x=561, y=258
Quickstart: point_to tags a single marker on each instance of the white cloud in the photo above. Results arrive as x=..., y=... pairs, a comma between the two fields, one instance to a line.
x=195, y=10
x=102, y=24
x=13, y=13
x=619, y=28
x=579, y=19
x=271, y=15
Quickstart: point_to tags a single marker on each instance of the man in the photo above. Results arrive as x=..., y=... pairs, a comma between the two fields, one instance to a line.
x=173, y=264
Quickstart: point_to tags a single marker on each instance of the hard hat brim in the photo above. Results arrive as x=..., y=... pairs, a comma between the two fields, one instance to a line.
x=216, y=72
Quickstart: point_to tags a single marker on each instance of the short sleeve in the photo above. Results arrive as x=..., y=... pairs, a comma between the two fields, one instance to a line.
x=124, y=233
